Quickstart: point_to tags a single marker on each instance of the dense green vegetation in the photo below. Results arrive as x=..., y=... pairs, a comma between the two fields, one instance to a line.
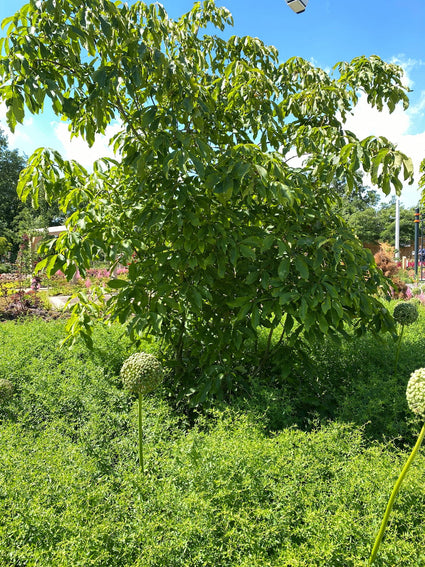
x=223, y=233
x=295, y=472
x=267, y=443
x=377, y=224
x=18, y=218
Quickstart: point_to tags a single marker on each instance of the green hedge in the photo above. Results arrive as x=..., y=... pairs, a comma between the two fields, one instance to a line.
x=224, y=492
x=225, y=496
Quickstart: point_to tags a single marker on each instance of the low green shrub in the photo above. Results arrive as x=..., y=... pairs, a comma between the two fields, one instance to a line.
x=223, y=493
x=268, y=482
x=5, y=268
x=352, y=381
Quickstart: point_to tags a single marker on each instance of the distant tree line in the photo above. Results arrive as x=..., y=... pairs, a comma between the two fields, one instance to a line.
x=16, y=217
x=373, y=221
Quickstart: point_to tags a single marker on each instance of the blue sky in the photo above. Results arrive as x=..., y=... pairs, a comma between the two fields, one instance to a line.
x=327, y=32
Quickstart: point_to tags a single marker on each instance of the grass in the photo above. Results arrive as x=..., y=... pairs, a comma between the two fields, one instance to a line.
x=296, y=474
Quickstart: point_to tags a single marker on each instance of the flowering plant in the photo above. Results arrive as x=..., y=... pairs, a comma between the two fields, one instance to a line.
x=405, y=313
x=141, y=373
x=415, y=395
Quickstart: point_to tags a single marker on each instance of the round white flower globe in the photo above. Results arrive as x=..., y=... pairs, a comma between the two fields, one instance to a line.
x=405, y=313
x=415, y=393
x=141, y=373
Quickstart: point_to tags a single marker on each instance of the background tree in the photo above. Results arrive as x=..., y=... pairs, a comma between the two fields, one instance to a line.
x=387, y=214
x=358, y=198
x=4, y=247
x=11, y=164
x=222, y=237
x=377, y=224
x=367, y=225
x=16, y=217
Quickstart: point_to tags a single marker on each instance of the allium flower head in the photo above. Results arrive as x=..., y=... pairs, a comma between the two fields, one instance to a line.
x=6, y=389
x=141, y=373
x=415, y=393
x=405, y=313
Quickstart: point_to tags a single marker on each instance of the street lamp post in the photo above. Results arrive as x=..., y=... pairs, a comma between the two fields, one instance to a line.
x=417, y=221
x=397, y=229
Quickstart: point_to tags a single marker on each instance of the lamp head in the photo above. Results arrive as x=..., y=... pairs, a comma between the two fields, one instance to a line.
x=298, y=6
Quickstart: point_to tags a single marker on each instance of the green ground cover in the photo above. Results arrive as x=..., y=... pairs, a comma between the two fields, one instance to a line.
x=295, y=472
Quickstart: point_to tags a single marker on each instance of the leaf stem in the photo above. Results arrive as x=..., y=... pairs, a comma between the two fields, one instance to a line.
x=393, y=496
x=398, y=350
x=141, y=435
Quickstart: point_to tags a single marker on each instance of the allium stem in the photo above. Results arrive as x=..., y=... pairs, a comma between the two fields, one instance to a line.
x=393, y=496
x=141, y=434
x=398, y=350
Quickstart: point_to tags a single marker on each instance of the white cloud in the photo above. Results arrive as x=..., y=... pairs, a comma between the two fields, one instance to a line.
x=366, y=121
x=77, y=149
x=39, y=131
x=419, y=107
x=21, y=136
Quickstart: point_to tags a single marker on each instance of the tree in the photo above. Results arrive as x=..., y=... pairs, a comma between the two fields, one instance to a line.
x=221, y=235
x=16, y=217
x=370, y=220
x=387, y=214
x=358, y=198
x=367, y=225
x=4, y=247
x=359, y=208
x=11, y=164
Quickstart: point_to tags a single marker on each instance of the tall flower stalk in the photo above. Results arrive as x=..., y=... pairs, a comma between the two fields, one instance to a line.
x=141, y=373
x=415, y=395
x=404, y=314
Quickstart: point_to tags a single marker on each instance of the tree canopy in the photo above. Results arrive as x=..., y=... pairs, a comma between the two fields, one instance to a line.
x=11, y=164
x=375, y=224
x=223, y=232
x=16, y=217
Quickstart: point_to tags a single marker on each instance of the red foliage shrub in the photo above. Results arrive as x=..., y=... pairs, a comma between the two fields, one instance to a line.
x=389, y=268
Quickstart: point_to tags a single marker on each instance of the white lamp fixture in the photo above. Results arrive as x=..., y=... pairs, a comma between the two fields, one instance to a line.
x=297, y=5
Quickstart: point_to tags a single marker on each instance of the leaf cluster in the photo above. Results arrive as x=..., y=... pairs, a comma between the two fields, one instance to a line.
x=221, y=234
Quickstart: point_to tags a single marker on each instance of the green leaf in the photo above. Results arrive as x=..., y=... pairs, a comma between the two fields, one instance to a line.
x=323, y=325
x=148, y=116
x=252, y=277
x=196, y=298
x=239, y=301
x=247, y=252
x=243, y=311
x=302, y=267
x=285, y=297
x=255, y=317
x=117, y=284
x=268, y=242
x=407, y=168
x=283, y=268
